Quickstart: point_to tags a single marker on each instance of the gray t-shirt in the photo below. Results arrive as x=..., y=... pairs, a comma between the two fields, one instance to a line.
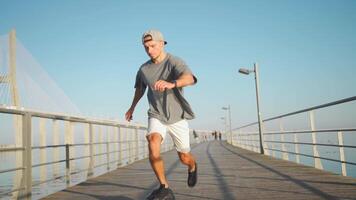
x=168, y=106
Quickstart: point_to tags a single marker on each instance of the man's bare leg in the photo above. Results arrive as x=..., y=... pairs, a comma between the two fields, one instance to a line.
x=154, y=145
x=187, y=159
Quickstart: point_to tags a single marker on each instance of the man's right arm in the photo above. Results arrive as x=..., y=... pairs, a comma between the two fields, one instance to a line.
x=138, y=95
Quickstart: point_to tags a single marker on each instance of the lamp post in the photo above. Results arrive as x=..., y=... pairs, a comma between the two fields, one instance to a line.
x=247, y=72
x=230, y=128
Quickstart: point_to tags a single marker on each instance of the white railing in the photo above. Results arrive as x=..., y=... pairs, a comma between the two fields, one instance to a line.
x=104, y=144
x=295, y=143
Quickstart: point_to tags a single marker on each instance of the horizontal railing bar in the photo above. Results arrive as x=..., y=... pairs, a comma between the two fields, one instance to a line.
x=100, y=165
x=48, y=146
x=310, y=156
x=246, y=134
x=71, y=159
x=78, y=158
x=308, y=143
x=249, y=140
x=11, y=191
x=303, y=110
x=99, y=154
x=11, y=111
x=297, y=131
x=70, y=118
x=63, y=145
x=313, y=108
x=48, y=180
x=12, y=149
x=48, y=163
x=79, y=171
x=310, y=131
x=114, y=161
x=72, y=173
x=11, y=170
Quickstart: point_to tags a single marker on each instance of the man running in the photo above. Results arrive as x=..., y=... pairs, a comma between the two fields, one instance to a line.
x=165, y=76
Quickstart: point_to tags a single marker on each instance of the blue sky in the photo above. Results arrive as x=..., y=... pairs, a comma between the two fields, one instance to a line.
x=305, y=49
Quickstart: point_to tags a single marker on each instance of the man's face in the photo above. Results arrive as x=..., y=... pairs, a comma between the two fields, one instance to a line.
x=153, y=48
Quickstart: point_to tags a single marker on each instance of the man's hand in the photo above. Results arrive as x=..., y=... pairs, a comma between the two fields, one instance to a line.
x=129, y=114
x=161, y=85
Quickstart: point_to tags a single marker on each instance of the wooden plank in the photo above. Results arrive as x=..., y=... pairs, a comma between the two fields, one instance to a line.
x=225, y=172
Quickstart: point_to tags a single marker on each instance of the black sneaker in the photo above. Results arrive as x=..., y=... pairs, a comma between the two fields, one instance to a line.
x=161, y=193
x=193, y=176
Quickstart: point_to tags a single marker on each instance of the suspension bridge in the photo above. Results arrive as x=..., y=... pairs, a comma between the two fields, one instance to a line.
x=52, y=155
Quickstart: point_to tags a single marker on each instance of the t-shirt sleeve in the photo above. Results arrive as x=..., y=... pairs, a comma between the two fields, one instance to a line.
x=182, y=68
x=139, y=83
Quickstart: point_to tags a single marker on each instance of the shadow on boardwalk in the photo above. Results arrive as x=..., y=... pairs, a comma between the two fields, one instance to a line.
x=225, y=172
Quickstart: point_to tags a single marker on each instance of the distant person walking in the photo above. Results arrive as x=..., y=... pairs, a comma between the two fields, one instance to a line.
x=165, y=76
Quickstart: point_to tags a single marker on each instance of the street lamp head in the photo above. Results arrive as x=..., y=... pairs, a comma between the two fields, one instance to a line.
x=244, y=71
x=224, y=108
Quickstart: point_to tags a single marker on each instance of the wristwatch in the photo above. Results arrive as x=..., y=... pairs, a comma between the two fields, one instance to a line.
x=175, y=83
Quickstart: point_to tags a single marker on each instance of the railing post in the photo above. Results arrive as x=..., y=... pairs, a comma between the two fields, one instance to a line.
x=27, y=156
x=342, y=153
x=68, y=177
x=108, y=138
x=56, y=149
x=255, y=143
x=136, y=143
x=91, y=151
x=68, y=141
x=317, y=161
x=19, y=156
x=115, y=144
x=120, y=145
x=238, y=136
x=273, y=146
x=265, y=145
x=296, y=147
x=284, y=149
x=43, y=151
x=101, y=140
x=241, y=138
x=130, y=145
x=252, y=143
x=246, y=138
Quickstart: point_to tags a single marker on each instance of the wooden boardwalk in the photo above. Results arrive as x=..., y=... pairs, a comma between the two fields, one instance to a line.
x=225, y=172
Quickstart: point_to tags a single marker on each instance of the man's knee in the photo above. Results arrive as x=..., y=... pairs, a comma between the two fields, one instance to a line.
x=154, y=139
x=154, y=142
x=184, y=157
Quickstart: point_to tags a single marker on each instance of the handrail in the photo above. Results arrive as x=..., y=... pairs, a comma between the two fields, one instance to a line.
x=249, y=139
x=303, y=110
x=128, y=150
x=71, y=118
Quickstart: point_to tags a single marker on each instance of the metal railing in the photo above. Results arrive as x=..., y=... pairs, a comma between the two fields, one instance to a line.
x=124, y=144
x=288, y=143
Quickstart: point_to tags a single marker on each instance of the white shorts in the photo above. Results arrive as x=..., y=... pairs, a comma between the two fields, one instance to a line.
x=179, y=132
